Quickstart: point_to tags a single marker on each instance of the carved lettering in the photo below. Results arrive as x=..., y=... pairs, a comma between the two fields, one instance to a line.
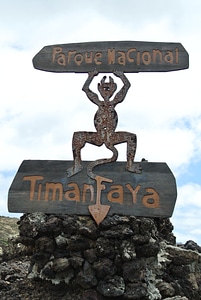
x=70, y=54
x=32, y=180
x=138, y=58
x=152, y=199
x=87, y=187
x=39, y=191
x=168, y=57
x=97, y=57
x=88, y=57
x=146, y=57
x=58, y=56
x=157, y=56
x=53, y=189
x=101, y=186
x=78, y=59
x=111, y=56
x=73, y=194
x=116, y=194
x=121, y=58
x=177, y=55
x=133, y=191
x=129, y=58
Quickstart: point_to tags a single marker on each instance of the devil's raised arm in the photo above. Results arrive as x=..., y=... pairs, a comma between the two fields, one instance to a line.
x=119, y=97
x=93, y=97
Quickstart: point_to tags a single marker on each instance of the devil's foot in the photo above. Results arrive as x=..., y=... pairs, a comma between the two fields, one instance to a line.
x=134, y=168
x=74, y=170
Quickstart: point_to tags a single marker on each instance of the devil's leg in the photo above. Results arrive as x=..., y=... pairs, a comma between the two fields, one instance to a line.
x=80, y=138
x=131, y=140
x=131, y=150
x=78, y=142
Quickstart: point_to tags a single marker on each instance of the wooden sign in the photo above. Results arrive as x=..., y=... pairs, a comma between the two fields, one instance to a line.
x=42, y=186
x=125, y=56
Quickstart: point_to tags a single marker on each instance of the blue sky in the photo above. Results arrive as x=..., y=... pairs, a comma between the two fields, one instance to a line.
x=40, y=110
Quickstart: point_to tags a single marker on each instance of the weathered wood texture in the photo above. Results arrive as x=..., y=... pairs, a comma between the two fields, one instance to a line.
x=42, y=185
x=125, y=56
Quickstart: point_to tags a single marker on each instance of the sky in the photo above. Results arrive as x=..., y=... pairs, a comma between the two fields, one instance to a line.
x=41, y=110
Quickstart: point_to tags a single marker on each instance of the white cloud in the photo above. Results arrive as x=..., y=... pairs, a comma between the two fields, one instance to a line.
x=189, y=195
x=186, y=216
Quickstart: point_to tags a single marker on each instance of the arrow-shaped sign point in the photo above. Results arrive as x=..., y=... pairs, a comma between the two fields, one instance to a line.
x=98, y=210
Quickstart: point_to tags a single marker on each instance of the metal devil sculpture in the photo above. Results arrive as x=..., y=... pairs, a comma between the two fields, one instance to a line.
x=105, y=121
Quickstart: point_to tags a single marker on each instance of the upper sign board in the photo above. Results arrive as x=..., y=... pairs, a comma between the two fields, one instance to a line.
x=125, y=56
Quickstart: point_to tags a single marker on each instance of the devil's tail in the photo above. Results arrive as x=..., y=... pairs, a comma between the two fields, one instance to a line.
x=102, y=161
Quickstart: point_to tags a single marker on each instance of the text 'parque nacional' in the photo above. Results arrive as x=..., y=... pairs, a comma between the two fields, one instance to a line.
x=127, y=56
x=113, y=56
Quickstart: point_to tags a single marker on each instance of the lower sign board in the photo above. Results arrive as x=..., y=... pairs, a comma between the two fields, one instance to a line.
x=42, y=186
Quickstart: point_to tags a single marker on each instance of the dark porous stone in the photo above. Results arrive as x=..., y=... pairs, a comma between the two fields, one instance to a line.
x=124, y=257
x=147, y=226
x=4, y=285
x=91, y=295
x=166, y=289
x=121, y=219
x=134, y=270
x=90, y=231
x=13, y=277
x=147, y=250
x=48, y=272
x=139, y=239
x=118, y=263
x=70, y=225
x=86, y=277
x=165, y=228
x=127, y=250
x=136, y=291
x=105, y=247
x=76, y=262
x=27, y=241
x=60, y=264
x=58, y=290
x=61, y=242
x=135, y=224
x=118, y=232
x=61, y=253
x=30, y=224
x=45, y=244
x=111, y=287
x=114, y=220
x=182, y=256
x=90, y=255
x=179, y=271
x=191, y=245
x=40, y=258
x=78, y=243
x=104, y=267
x=53, y=226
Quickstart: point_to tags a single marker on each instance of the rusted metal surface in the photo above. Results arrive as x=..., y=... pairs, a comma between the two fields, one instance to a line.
x=98, y=210
x=105, y=121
